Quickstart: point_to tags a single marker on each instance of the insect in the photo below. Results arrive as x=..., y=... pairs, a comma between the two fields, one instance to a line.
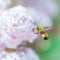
x=41, y=30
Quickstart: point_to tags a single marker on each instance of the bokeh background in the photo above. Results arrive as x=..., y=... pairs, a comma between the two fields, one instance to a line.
x=50, y=49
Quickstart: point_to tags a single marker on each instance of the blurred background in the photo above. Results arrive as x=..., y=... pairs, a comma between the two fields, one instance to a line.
x=47, y=49
x=50, y=49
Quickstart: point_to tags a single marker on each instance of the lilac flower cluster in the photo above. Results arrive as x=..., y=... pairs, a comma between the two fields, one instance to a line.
x=16, y=27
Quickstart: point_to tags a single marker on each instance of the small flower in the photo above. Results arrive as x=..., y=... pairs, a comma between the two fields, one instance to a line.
x=16, y=27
